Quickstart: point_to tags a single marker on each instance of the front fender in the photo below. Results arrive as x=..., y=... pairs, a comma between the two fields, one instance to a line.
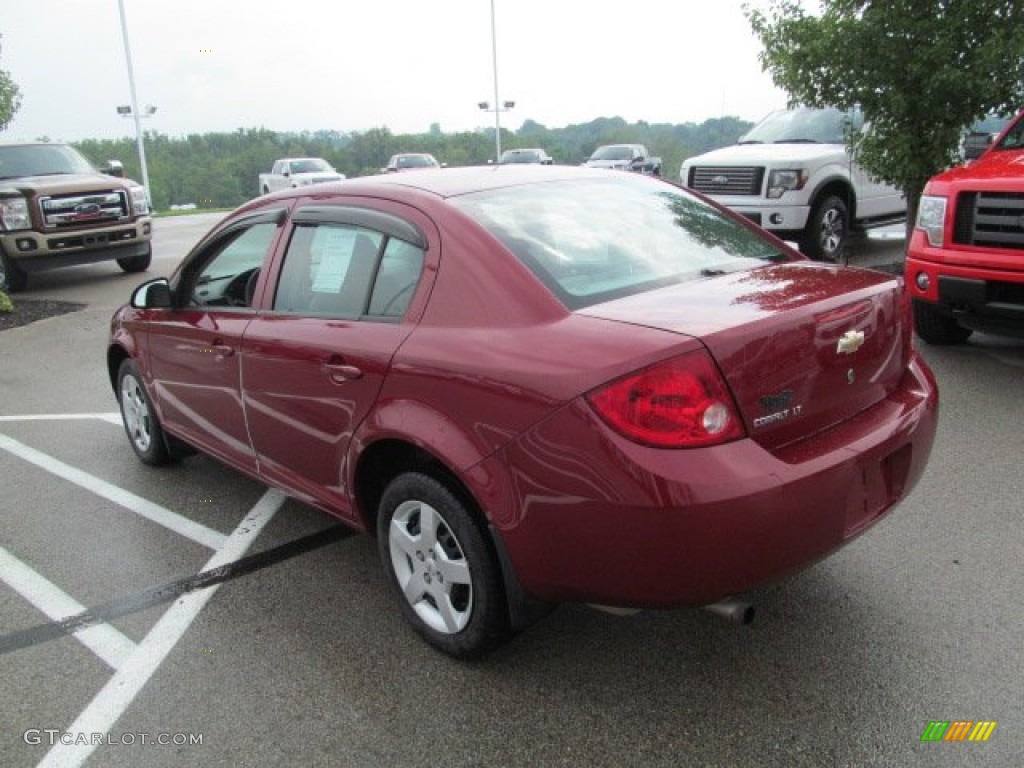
x=121, y=344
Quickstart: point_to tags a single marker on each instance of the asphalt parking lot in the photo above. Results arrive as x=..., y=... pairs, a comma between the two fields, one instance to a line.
x=190, y=616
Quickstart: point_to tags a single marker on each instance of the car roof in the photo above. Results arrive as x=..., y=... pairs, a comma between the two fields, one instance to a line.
x=452, y=182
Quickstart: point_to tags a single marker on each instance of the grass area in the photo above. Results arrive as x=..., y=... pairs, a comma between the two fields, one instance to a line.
x=164, y=214
x=5, y=304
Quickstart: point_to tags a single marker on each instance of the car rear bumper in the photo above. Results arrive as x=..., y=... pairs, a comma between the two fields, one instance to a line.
x=660, y=528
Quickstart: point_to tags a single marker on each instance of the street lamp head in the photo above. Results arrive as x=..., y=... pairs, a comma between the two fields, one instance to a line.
x=124, y=109
x=485, y=105
x=509, y=104
x=150, y=109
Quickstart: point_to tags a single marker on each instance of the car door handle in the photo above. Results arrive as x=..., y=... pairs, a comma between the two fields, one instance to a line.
x=341, y=371
x=222, y=350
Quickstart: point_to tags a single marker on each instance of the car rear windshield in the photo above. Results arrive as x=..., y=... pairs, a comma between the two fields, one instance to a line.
x=519, y=156
x=594, y=240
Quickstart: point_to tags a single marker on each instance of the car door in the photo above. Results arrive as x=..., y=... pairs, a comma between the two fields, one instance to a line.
x=194, y=351
x=312, y=366
x=875, y=198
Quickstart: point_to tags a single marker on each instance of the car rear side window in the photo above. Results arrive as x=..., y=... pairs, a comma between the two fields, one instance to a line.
x=594, y=240
x=342, y=270
x=399, y=272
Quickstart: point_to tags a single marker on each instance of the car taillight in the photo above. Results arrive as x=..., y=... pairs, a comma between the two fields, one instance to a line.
x=680, y=403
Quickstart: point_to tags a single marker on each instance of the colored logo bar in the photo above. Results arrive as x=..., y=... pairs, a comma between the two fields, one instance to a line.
x=958, y=730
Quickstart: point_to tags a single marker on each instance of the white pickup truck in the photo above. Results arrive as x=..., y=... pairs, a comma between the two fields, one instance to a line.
x=297, y=172
x=792, y=174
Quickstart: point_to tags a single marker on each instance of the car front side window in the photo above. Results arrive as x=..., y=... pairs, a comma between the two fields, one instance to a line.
x=228, y=278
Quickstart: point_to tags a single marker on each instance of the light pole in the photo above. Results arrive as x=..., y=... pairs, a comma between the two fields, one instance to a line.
x=499, y=107
x=505, y=107
x=133, y=110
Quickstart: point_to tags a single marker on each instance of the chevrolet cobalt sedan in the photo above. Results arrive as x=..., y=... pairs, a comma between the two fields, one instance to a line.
x=534, y=384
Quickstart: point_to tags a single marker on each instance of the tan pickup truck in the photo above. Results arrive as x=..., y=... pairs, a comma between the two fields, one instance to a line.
x=56, y=210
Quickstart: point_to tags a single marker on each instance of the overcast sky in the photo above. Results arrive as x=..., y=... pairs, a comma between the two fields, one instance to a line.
x=351, y=65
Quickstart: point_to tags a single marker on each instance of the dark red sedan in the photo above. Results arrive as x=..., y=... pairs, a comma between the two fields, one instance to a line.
x=534, y=385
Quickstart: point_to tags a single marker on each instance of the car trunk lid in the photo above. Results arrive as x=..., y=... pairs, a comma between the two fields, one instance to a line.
x=802, y=346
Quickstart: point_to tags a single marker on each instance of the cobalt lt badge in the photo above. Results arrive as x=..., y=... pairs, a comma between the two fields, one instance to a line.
x=850, y=342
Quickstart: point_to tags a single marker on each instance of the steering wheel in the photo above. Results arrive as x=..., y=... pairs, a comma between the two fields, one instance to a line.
x=238, y=292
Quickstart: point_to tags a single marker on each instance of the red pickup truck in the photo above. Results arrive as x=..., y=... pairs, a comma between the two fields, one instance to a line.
x=965, y=262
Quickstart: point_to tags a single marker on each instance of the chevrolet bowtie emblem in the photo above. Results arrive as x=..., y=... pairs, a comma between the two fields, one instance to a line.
x=850, y=342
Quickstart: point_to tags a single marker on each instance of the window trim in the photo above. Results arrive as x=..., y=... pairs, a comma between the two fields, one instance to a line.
x=367, y=218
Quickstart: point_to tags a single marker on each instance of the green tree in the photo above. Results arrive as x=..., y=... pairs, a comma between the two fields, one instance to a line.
x=10, y=98
x=920, y=70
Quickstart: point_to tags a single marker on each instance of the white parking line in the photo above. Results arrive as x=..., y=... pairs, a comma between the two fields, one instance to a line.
x=102, y=639
x=140, y=506
x=119, y=692
x=114, y=417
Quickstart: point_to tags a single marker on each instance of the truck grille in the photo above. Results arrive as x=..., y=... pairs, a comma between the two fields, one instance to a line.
x=726, y=181
x=990, y=220
x=65, y=211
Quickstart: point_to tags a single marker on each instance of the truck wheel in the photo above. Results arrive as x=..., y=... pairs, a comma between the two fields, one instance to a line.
x=12, y=277
x=935, y=327
x=827, y=230
x=138, y=263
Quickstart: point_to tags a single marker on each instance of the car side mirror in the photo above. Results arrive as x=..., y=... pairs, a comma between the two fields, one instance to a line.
x=286, y=172
x=153, y=294
x=114, y=168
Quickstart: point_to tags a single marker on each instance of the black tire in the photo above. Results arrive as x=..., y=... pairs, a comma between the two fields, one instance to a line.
x=138, y=263
x=437, y=559
x=935, y=327
x=12, y=277
x=827, y=230
x=141, y=424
